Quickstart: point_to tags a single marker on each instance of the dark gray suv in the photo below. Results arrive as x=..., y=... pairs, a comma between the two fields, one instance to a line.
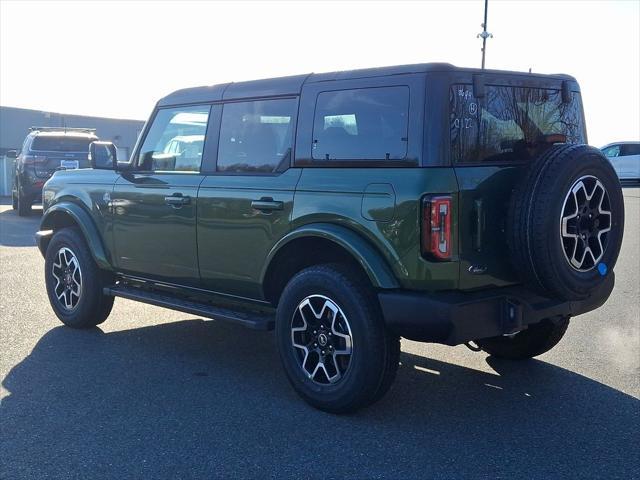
x=45, y=150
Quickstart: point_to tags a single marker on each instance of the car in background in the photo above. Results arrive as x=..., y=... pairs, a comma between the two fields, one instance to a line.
x=45, y=150
x=625, y=158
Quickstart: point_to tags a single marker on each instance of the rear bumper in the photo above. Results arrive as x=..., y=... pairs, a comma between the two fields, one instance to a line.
x=453, y=318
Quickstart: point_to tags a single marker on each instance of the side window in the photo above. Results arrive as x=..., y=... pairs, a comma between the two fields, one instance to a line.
x=256, y=136
x=361, y=124
x=630, y=149
x=175, y=141
x=612, y=151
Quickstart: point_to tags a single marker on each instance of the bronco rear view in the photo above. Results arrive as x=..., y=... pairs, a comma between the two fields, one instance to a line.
x=346, y=210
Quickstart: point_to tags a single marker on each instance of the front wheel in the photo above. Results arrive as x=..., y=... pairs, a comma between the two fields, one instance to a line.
x=74, y=281
x=531, y=342
x=332, y=340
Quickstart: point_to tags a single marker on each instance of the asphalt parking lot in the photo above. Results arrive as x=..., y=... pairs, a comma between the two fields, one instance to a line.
x=160, y=394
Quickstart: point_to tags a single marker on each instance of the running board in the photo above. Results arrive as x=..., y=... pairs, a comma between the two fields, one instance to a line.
x=254, y=320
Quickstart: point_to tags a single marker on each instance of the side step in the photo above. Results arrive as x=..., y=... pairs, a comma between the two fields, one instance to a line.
x=254, y=320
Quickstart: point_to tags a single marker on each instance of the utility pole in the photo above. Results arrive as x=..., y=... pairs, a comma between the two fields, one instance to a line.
x=484, y=35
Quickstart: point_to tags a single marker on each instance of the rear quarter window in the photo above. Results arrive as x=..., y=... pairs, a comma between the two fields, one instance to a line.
x=510, y=124
x=365, y=124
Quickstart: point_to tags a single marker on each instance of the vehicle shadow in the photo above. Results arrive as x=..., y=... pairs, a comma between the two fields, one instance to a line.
x=196, y=399
x=16, y=231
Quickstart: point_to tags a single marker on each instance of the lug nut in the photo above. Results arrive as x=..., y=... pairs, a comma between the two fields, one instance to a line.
x=315, y=344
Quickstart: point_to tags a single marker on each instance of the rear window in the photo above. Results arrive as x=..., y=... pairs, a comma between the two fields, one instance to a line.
x=61, y=144
x=510, y=124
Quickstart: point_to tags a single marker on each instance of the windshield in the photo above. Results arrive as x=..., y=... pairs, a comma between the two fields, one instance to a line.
x=61, y=144
x=511, y=124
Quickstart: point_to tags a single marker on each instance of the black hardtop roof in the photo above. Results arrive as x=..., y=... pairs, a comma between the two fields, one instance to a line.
x=292, y=85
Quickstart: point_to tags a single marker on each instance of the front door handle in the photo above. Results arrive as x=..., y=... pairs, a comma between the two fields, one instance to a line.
x=267, y=204
x=177, y=200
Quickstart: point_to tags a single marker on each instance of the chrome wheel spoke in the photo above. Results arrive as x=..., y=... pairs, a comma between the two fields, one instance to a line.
x=67, y=299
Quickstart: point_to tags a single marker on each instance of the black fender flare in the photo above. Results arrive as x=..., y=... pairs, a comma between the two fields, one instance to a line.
x=372, y=262
x=83, y=220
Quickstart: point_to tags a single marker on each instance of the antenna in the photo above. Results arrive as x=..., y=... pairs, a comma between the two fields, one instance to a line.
x=484, y=35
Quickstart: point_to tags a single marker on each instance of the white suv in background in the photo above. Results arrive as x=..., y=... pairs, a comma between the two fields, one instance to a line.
x=625, y=158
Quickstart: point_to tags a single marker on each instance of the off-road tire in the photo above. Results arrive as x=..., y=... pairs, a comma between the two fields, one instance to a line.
x=374, y=359
x=390, y=369
x=93, y=306
x=529, y=343
x=533, y=222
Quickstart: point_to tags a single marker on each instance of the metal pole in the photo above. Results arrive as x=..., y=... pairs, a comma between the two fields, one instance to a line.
x=484, y=35
x=484, y=26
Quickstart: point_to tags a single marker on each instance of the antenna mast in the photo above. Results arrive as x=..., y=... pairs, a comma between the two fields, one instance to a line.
x=484, y=35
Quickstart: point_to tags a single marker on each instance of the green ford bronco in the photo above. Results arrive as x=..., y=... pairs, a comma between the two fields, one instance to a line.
x=346, y=210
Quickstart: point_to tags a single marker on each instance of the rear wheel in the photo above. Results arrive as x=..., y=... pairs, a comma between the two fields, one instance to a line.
x=23, y=205
x=529, y=343
x=74, y=281
x=332, y=340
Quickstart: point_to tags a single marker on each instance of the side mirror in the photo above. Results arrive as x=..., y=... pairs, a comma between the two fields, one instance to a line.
x=11, y=154
x=103, y=156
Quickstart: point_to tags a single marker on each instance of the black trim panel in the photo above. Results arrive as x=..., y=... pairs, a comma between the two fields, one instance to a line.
x=454, y=317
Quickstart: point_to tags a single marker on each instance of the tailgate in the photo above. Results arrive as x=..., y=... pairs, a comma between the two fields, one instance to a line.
x=484, y=201
x=47, y=162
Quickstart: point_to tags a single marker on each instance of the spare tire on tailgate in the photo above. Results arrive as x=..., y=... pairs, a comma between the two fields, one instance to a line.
x=565, y=222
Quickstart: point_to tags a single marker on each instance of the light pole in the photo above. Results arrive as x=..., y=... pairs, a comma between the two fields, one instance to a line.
x=484, y=35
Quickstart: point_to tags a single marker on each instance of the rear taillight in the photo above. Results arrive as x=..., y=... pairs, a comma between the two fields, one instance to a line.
x=436, y=227
x=34, y=159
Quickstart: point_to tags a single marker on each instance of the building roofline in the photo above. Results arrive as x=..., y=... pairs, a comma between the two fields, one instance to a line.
x=69, y=114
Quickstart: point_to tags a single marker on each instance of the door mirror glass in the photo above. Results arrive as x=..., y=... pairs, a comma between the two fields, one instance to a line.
x=103, y=155
x=11, y=154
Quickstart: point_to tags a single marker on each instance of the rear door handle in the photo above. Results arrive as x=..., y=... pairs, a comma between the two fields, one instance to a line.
x=267, y=204
x=177, y=200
